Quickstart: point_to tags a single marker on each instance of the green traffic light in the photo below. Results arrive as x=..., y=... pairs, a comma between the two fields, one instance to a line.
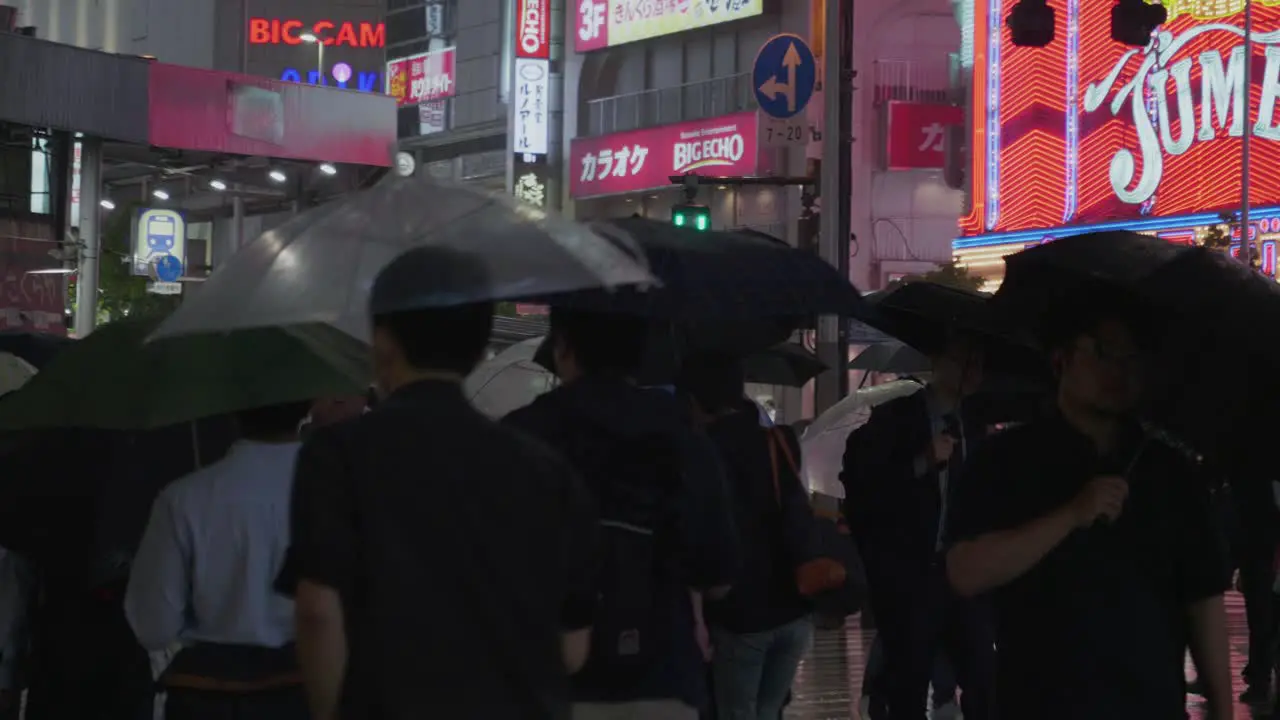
x=703, y=222
x=678, y=219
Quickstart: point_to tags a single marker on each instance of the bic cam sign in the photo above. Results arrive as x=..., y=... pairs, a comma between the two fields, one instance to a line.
x=264, y=31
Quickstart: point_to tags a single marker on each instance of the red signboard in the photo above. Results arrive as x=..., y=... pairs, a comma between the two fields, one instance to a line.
x=32, y=302
x=268, y=31
x=645, y=159
x=194, y=109
x=1088, y=130
x=533, y=29
x=422, y=78
x=915, y=134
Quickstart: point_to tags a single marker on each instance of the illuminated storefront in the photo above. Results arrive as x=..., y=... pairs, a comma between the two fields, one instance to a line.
x=1088, y=134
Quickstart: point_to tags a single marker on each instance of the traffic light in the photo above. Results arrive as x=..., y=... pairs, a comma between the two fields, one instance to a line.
x=1031, y=23
x=694, y=217
x=1133, y=21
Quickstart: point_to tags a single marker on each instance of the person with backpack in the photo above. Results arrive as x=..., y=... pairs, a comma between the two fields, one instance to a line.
x=665, y=526
x=762, y=628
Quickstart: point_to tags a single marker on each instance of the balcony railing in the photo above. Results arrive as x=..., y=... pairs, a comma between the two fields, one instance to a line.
x=914, y=81
x=660, y=106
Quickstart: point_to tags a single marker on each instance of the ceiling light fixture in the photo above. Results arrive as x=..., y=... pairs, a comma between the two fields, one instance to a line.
x=107, y=205
x=328, y=169
x=217, y=185
x=277, y=176
x=160, y=194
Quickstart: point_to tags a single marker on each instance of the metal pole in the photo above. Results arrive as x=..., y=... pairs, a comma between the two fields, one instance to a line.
x=836, y=190
x=319, y=61
x=90, y=242
x=237, y=224
x=1246, y=247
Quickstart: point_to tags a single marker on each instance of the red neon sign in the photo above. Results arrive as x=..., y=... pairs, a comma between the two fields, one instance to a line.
x=267, y=31
x=1089, y=130
x=533, y=29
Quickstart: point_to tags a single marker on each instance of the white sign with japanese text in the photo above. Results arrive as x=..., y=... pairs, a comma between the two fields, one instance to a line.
x=532, y=101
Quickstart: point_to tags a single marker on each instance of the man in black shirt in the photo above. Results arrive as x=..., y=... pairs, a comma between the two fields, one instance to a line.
x=1098, y=545
x=441, y=562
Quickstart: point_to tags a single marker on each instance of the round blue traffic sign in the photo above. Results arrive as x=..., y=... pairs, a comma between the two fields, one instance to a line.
x=784, y=76
x=168, y=268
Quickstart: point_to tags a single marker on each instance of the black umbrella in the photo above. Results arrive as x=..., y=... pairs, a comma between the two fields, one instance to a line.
x=669, y=342
x=1205, y=313
x=924, y=315
x=37, y=349
x=789, y=364
x=891, y=357
x=719, y=276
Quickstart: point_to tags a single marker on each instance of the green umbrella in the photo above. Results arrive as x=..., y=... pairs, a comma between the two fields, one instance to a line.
x=115, y=380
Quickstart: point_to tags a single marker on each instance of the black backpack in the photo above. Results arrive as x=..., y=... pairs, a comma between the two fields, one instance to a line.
x=634, y=481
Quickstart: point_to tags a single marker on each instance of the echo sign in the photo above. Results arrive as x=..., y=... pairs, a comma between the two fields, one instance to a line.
x=533, y=31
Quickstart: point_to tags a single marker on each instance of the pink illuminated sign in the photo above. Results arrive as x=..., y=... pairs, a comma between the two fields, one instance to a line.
x=421, y=78
x=645, y=159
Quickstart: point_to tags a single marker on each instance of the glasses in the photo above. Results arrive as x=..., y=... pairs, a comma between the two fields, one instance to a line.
x=1130, y=360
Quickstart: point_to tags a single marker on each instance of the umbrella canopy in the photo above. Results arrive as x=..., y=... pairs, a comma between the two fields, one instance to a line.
x=510, y=380
x=824, y=440
x=114, y=380
x=925, y=315
x=36, y=348
x=714, y=276
x=1202, y=311
x=891, y=357
x=788, y=364
x=318, y=267
x=14, y=372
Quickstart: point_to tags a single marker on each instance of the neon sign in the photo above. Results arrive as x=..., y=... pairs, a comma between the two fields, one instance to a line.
x=339, y=76
x=266, y=31
x=1090, y=131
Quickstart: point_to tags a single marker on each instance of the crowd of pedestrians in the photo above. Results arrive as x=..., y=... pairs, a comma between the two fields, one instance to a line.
x=613, y=551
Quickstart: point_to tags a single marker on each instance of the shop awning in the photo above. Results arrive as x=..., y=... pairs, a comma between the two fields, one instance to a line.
x=48, y=84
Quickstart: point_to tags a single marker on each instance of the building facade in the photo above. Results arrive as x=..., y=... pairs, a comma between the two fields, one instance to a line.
x=1088, y=134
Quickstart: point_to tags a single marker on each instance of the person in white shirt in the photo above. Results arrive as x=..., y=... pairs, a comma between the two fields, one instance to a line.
x=203, y=577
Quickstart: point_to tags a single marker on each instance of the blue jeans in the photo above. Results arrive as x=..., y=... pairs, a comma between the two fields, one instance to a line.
x=752, y=672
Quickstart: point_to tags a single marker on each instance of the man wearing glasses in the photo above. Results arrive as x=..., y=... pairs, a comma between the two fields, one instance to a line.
x=1097, y=545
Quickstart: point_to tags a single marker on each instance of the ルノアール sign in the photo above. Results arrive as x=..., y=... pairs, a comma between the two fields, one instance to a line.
x=533, y=29
x=646, y=159
x=274, y=31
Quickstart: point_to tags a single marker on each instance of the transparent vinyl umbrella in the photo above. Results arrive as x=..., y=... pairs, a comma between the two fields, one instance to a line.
x=318, y=267
x=14, y=372
x=511, y=380
x=822, y=444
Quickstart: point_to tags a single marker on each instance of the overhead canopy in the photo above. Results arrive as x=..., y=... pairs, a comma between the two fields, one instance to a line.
x=47, y=84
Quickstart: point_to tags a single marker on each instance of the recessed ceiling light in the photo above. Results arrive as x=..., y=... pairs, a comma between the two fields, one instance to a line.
x=217, y=185
x=328, y=169
x=723, y=187
x=107, y=205
x=52, y=271
x=160, y=194
x=277, y=175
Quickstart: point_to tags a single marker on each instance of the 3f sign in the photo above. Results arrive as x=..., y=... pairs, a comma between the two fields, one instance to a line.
x=592, y=20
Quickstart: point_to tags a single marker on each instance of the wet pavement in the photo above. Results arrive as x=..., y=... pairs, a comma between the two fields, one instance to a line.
x=829, y=682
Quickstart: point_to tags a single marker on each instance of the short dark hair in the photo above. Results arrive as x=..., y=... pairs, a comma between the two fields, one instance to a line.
x=272, y=420
x=450, y=338
x=716, y=381
x=602, y=342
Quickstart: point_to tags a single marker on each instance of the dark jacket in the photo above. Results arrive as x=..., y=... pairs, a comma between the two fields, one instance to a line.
x=577, y=419
x=764, y=594
x=893, y=514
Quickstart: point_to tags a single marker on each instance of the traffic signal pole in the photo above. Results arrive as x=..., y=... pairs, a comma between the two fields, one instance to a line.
x=836, y=189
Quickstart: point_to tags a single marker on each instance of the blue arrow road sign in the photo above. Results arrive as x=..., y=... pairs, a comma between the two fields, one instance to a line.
x=784, y=76
x=168, y=268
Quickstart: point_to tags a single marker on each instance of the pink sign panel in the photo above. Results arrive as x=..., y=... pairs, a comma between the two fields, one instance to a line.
x=212, y=111
x=646, y=159
x=917, y=134
x=422, y=78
